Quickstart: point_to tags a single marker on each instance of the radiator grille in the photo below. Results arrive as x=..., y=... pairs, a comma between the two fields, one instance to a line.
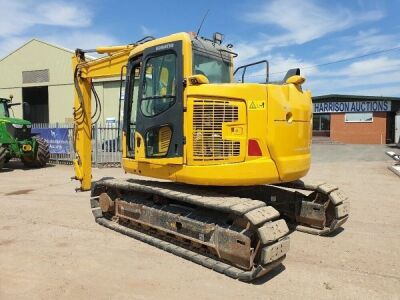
x=19, y=133
x=208, y=118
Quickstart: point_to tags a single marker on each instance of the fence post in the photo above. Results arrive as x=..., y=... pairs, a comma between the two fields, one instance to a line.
x=71, y=143
x=95, y=153
x=57, y=155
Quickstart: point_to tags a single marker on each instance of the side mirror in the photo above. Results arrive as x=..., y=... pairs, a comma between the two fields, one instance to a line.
x=26, y=109
x=9, y=105
x=291, y=73
x=198, y=79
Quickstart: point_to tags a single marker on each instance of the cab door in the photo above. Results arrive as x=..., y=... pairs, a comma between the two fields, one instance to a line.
x=159, y=122
x=132, y=84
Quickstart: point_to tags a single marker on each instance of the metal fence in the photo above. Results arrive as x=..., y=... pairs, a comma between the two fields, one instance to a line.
x=105, y=144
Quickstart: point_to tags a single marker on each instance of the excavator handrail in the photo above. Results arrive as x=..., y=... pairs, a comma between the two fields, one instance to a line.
x=244, y=67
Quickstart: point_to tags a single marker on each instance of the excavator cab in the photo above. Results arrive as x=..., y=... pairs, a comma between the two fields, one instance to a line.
x=186, y=120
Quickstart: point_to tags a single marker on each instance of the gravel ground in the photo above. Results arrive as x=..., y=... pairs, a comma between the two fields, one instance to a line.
x=50, y=246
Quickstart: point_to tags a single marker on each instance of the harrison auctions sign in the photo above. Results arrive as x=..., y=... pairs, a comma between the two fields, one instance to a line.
x=357, y=106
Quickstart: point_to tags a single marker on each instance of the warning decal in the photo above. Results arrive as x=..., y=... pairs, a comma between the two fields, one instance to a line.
x=256, y=105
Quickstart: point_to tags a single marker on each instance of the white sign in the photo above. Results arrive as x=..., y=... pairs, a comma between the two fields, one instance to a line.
x=356, y=106
x=110, y=121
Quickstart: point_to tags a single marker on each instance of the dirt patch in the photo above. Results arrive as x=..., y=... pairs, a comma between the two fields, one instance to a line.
x=6, y=242
x=59, y=251
x=19, y=192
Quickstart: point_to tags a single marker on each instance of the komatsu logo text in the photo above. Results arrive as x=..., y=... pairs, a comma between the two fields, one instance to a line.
x=164, y=47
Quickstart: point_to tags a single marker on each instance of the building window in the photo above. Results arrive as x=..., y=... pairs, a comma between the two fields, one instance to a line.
x=321, y=122
x=359, y=117
x=37, y=76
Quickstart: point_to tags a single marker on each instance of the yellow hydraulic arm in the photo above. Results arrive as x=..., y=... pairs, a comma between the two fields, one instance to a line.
x=84, y=71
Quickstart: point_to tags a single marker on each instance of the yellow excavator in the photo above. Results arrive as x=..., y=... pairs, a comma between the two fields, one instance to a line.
x=221, y=160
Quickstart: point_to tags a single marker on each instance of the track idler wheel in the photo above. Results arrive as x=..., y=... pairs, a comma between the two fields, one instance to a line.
x=326, y=210
x=106, y=203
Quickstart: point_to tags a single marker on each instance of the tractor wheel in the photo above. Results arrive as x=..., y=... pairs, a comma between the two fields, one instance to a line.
x=42, y=155
x=3, y=153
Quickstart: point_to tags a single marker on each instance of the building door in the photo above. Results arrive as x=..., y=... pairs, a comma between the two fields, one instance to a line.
x=322, y=125
x=397, y=128
x=390, y=127
x=38, y=100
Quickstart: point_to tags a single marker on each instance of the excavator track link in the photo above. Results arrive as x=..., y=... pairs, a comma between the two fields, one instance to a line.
x=253, y=242
x=197, y=258
x=337, y=206
x=313, y=207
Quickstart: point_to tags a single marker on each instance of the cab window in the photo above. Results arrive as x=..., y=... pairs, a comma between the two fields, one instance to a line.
x=159, y=85
x=133, y=88
x=3, y=109
x=215, y=69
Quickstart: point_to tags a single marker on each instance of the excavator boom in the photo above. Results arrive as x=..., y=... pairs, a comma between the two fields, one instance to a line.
x=84, y=72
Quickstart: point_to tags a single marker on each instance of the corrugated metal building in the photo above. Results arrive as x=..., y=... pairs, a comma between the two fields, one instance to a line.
x=41, y=74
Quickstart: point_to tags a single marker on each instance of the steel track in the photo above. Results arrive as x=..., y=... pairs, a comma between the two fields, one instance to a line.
x=271, y=246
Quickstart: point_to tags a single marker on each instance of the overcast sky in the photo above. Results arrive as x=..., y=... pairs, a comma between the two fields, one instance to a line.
x=301, y=33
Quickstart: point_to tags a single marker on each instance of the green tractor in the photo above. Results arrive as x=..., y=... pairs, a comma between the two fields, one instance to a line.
x=17, y=141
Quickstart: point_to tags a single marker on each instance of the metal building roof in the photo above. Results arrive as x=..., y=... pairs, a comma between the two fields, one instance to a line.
x=331, y=97
x=45, y=43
